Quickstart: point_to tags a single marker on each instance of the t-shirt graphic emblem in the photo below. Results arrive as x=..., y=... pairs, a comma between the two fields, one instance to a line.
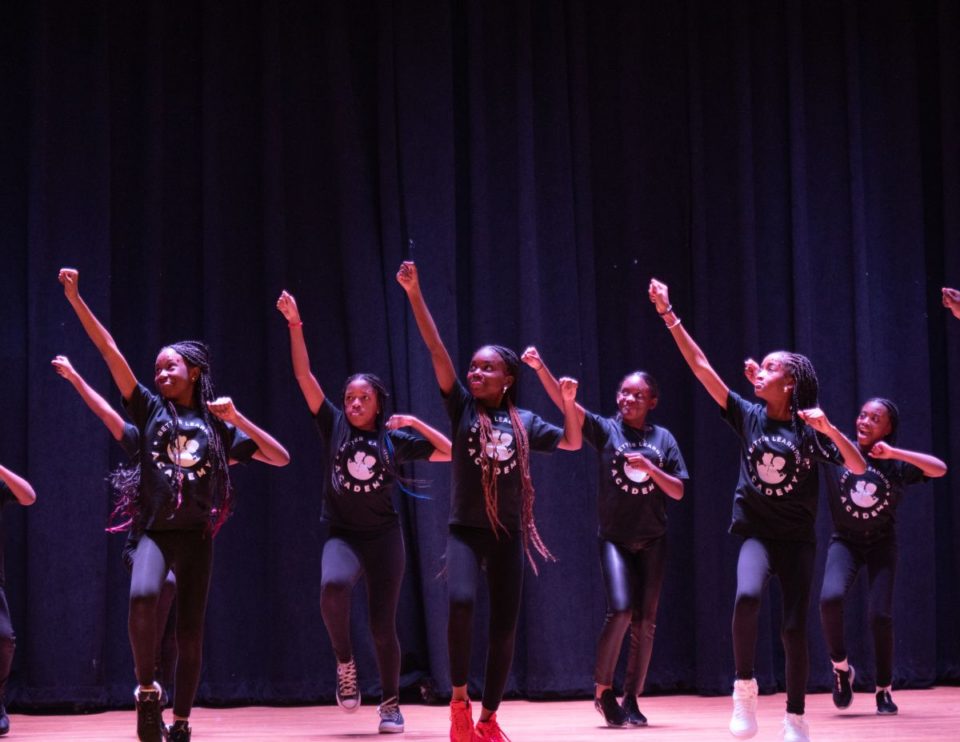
x=500, y=447
x=863, y=494
x=770, y=468
x=361, y=466
x=185, y=450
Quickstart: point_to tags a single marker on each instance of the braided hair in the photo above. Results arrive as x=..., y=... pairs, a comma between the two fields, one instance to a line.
x=489, y=467
x=893, y=415
x=342, y=433
x=806, y=390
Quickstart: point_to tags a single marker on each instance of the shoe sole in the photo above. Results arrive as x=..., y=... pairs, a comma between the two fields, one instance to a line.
x=746, y=734
x=887, y=713
x=391, y=730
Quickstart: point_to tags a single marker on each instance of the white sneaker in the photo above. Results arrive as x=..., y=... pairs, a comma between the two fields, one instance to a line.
x=743, y=723
x=795, y=728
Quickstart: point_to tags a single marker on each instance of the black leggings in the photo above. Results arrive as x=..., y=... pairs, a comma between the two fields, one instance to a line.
x=792, y=562
x=632, y=577
x=8, y=643
x=469, y=550
x=166, y=658
x=380, y=559
x=190, y=555
x=844, y=562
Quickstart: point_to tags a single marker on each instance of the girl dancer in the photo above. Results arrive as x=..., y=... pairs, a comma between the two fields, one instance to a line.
x=864, y=535
x=183, y=496
x=12, y=488
x=774, y=507
x=363, y=455
x=640, y=467
x=128, y=437
x=491, y=506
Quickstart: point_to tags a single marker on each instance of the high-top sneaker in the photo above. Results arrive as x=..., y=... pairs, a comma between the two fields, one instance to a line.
x=609, y=709
x=150, y=726
x=489, y=731
x=179, y=731
x=630, y=708
x=461, y=721
x=885, y=704
x=348, y=690
x=391, y=720
x=743, y=723
x=795, y=728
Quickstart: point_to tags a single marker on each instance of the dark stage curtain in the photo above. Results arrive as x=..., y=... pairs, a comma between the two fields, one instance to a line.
x=791, y=169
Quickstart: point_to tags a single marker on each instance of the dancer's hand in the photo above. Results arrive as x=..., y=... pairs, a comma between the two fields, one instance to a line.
x=659, y=294
x=287, y=306
x=951, y=300
x=568, y=388
x=816, y=419
x=407, y=276
x=881, y=450
x=70, y=278
x=750, y=369
x=224, y=408
x=64, y=367
x=400, y=421
x=531, y=356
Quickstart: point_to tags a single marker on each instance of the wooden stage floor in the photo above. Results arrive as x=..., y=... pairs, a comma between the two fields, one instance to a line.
x=924, y=715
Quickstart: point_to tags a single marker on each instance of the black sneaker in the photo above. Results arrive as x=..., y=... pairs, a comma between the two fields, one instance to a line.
x=609, y=709
x=630, y=708
x=391, y=720
x=348, y=690
x=885, y=704
x=150, y=726
x=4, y=720
x=179, y=731
x=843, y=687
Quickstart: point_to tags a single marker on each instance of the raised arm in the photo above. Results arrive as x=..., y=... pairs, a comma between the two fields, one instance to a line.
x=531, y=356
x=19, y=486
x=930, y=465
x=269, y=450
x=312, y=391
x=572, y=421
x=440, y=442
x=97, y=404
x=691, y=352
x=442, y=365
x=119, y=368
x=852, y=458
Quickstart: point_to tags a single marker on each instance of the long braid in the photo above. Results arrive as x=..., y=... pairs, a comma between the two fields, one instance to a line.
x=488, y=472
x=125, y=482
x=528, y=525
x=197, y=355
x=489, y=465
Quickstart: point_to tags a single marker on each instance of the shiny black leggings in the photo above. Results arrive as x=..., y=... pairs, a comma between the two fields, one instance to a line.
x=380, y=559
x=632, y=577
x=469, y=550
x=792, y=563
x=844, y=562
x=190, y=555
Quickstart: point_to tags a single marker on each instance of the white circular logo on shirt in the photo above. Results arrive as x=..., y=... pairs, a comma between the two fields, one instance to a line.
x=357, y=467
x=501, y=447
x=188, y=449
x=776, y=465
x=629, y=479
x=865, y=496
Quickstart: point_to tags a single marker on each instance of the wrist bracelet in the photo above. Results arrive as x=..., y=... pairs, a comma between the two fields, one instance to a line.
x=670, y=327
x=666, y=311
x=294, y=324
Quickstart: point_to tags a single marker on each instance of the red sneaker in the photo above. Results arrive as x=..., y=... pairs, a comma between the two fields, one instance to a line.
x=461, y=721
x=489, y=731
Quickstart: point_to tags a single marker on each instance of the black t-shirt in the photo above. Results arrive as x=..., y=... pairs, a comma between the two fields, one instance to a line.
x=776, y=496
x=467, y=502
x=631, y=507
x=5, y=496
x=130, y=441
x=365, y=500
x=158, y=452
x=864, y=506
